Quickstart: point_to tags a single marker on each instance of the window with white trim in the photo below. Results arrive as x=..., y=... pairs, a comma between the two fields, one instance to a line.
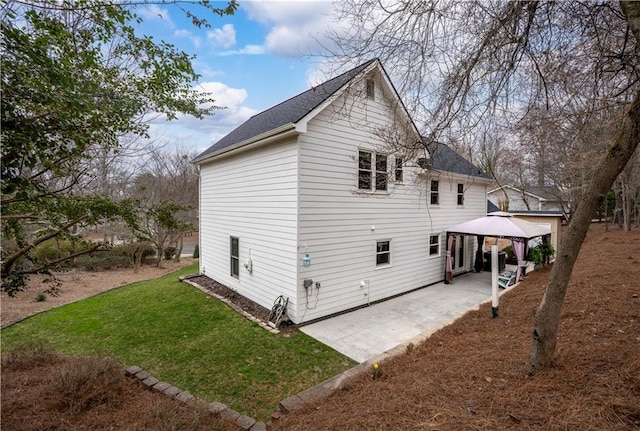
x=460, y=194
x=383, y=253
x=399, y=170
x=372, y=171
x=371, y=89
x=434, y=245
x=234, y=252
x=434, y=194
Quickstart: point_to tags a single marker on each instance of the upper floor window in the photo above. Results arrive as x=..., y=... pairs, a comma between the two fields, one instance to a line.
x=234, y=253
x=434, y=195
x=460, y=194
x=383, y=253
x=371, y=89
x=372, y=171
x=399, y=170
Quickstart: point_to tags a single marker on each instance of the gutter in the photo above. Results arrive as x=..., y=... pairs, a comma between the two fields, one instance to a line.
x=263, y=138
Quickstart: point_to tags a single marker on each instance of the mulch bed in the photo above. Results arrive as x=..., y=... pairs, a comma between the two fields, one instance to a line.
x=473, y=374
x=242, y=302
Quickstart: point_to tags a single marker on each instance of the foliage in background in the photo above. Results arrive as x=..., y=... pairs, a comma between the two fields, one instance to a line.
x=77, y=78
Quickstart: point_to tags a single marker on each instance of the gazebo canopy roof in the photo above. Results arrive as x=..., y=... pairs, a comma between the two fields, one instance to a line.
x=500, y=225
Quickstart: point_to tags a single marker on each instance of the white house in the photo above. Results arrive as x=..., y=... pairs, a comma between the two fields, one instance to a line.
x=541, y=205
x=530, y=198
x=308, y=200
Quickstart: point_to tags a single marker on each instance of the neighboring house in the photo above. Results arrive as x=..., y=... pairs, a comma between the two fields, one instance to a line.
x=306, y=200
x=530, y=198
x=536, y=204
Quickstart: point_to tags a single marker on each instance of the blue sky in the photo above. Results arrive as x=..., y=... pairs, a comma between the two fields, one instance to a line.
x=250, y=61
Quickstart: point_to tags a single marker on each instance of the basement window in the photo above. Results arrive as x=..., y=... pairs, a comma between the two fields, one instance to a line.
x=235, y=257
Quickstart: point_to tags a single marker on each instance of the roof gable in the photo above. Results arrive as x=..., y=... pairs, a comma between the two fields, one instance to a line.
x=288, y=112
x=543, y=193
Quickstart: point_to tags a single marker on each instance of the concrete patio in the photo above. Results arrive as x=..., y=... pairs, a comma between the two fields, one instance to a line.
x=370, y=331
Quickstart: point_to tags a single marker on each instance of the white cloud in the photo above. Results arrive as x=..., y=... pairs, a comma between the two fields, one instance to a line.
x=201, y=134
x=297, y=28
x=155, y=13
x=224, y=37
x=246, y=50
x=287, y=12
x=186, y=34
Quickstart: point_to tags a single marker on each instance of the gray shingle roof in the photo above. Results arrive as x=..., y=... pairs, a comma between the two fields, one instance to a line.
x=491, y=207
x=444, y=158
x=289, y=111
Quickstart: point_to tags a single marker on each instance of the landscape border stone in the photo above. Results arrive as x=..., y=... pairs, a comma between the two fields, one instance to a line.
x=220, y=410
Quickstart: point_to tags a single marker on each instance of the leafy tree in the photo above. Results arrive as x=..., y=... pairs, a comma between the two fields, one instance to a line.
x=76, y=78
x=462, y=63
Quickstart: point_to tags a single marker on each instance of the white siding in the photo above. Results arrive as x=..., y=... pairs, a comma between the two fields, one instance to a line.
x=252, y=195
x=337, y=222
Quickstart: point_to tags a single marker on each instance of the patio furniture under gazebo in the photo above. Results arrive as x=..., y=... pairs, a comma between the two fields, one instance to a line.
x=498, y=225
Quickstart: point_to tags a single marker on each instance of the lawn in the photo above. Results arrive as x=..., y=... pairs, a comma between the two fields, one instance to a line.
x=186, y=338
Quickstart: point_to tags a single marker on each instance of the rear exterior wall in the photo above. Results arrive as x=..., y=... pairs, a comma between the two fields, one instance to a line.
x=340, y=225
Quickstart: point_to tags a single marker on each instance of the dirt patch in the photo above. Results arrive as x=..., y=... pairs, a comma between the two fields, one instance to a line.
x=76, y=285
x=472, y=375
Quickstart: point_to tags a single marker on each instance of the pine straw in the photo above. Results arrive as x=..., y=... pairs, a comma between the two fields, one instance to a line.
x=54, y=392
x=472, y=375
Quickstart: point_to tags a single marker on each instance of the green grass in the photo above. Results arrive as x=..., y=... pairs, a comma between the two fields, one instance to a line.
x=186, y=338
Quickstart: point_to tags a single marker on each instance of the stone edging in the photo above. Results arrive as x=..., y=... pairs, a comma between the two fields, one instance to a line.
x=185, y=279
x=218, y=409
x=324, y=389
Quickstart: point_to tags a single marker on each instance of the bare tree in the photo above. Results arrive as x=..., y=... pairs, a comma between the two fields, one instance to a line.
x=458, y=63
x=167, y=189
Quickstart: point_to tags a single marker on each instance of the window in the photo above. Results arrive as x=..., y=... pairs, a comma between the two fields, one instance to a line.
x=235, y=257
x=399, y=171
x=371, y=89
x=460, y=194
x=372, y=167
x=460, y=251
x=434, y=195
x=383, y=253
x=434, y=245
x=364, y=170
x=381, y=172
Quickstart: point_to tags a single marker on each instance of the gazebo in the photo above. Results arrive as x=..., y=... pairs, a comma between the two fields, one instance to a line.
x=498, y=225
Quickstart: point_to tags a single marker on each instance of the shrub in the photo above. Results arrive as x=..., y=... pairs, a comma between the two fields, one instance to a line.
x=28, y=355
x=56, y=249
x=87, y=383
x=116, y=257
x=169, y=252
x=196, y=252
x=41, y=297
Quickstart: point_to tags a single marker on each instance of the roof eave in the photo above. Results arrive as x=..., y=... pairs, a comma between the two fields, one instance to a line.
x=486, y=180
x=269, y=136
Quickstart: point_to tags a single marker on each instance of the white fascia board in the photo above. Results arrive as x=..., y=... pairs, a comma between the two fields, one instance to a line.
x=283, y=131
x=301, y=125
x=462, y=177
x=519, y=190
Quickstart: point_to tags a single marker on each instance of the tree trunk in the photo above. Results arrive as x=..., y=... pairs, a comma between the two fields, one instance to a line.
x=179, y=247
x=547, y=318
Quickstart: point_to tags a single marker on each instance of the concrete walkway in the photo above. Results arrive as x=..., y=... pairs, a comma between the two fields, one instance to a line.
x=369, y=331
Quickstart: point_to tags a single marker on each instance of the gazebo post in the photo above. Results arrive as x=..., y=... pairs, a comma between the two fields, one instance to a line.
x=494, y=280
